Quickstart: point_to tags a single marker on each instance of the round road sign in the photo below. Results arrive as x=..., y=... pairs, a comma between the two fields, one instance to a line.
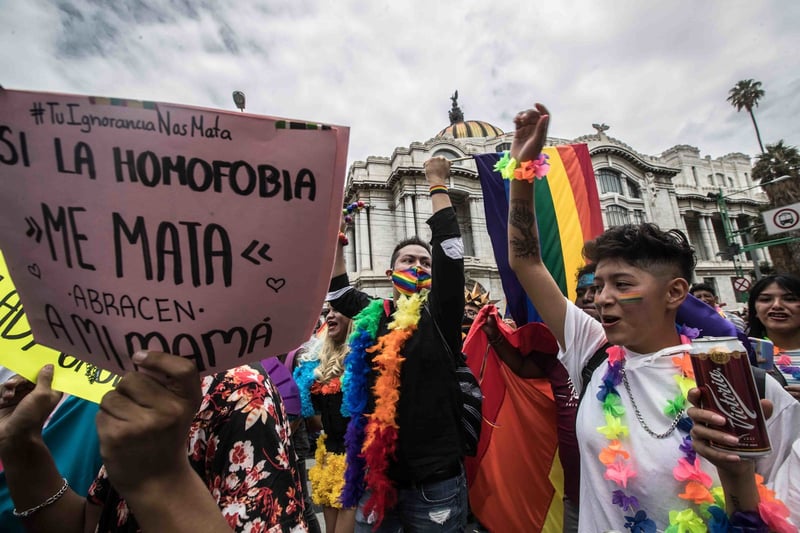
x=786, y=218
x=741, y=284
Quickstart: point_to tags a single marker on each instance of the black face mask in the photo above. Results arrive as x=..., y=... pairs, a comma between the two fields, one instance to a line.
x=466, y=323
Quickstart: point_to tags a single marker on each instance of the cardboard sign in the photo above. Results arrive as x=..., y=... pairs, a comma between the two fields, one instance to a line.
x=138, y=225
x=20, y=353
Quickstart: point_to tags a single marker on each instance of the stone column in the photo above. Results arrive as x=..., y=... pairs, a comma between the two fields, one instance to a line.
x=408, y=208
x=707, y=229
x=478, y=229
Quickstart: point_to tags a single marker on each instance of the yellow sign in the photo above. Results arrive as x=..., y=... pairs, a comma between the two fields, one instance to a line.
x=20, y=353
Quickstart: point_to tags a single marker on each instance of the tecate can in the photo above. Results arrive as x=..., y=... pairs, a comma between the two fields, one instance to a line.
x=723, y=374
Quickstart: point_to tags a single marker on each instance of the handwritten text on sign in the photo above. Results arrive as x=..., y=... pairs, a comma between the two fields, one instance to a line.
x=130, y=225
x=19, y=352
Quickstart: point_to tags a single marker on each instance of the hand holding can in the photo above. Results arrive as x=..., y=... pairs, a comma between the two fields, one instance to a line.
x=725, y=379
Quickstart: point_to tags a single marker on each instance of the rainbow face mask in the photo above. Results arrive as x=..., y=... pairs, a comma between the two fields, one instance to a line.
x=411, y=281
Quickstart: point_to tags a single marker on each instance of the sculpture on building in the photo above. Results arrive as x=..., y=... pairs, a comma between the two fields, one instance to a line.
x=456, y=115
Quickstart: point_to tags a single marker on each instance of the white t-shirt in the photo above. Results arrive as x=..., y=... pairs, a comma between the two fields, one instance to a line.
x=652, y=383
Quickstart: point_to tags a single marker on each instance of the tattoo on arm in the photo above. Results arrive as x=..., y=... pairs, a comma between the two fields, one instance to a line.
x=525, y=244
x=737, y=506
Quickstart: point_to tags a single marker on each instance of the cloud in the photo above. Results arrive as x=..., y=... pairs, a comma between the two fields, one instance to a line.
x=657, y=73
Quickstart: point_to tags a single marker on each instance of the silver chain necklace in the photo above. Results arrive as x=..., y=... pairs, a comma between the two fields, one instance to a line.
x=639, y=416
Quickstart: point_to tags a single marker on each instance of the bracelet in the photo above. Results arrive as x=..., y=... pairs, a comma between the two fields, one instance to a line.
x=510, y=168
x=49, y=501
x=343, y=239
x=438, y=189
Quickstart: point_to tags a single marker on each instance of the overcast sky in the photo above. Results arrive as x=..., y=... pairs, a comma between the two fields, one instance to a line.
x=657, y=72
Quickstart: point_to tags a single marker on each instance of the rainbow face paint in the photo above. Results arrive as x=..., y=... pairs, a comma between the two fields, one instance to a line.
x=630, y=298
x=411, y=281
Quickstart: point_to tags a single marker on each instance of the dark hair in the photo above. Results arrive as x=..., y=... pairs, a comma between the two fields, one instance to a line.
x=785, y=281
x=703, y=287
x=408, y=242
x=644, y=246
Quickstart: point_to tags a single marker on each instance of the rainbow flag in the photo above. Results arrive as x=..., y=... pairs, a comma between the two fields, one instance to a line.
x=568, y=213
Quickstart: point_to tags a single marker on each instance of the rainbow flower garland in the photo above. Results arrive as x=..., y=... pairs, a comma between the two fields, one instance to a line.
x=619, y=468
x=372, y=438
x=510, y=168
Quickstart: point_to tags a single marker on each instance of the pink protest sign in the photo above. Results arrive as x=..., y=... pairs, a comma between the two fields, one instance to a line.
x=203, y=233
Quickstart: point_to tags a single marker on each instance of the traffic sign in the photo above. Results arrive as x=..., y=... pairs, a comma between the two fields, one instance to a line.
x=741, y=284
x=781, y=219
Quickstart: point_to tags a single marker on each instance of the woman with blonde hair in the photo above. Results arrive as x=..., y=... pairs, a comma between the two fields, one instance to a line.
x=319, y=378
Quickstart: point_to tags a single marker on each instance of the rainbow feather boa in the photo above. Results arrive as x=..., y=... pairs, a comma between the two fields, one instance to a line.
x=371, y=440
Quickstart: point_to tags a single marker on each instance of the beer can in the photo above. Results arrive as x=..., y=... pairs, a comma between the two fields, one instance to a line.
x=722, y=372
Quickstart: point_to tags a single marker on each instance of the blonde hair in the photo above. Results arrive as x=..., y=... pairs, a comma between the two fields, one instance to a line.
x=331, y=357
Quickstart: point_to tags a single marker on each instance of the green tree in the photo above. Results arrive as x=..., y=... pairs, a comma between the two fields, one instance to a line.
x=745, y=95
x=778, y=161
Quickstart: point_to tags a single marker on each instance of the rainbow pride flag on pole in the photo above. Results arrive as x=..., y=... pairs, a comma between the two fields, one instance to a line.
x=516, y=482
x=567, y=211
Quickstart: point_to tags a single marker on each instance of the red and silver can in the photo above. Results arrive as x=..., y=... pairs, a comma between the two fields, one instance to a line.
x=722, y=372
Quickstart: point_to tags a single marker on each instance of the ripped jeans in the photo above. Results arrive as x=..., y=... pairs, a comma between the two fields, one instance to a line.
x=439, y=506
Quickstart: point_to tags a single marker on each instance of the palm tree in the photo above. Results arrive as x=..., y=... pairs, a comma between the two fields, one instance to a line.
x=778, y=161
x=746, y=94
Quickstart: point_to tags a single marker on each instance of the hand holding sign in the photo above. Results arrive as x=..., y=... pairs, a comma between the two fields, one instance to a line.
x=24, y=409
x=137, y=225
x=143, y=423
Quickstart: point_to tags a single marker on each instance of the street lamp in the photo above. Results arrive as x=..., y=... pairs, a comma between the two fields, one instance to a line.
x=238, y=99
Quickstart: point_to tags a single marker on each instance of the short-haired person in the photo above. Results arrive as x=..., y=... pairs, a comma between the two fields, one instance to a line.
x=774, y=311
x=706, y=293
x=585, y=290
x=235, y=472
x=631, y=427
x=402, y=392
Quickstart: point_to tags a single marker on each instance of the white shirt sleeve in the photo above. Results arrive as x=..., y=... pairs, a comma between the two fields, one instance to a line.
x=583, y=335
x=783, y=428
x=786, y=486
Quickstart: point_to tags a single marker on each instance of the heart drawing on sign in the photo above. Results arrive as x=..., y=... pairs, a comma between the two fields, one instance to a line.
x=34, y=270
x=276, y=284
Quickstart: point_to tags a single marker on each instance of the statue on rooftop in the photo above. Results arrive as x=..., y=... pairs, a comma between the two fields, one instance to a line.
x=456, y=115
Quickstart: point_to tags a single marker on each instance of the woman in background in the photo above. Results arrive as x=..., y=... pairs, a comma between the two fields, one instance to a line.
x=774, y=311
x=319, y=377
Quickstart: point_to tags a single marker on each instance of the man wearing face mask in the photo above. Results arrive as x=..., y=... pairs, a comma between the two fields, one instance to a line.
x=404, y=441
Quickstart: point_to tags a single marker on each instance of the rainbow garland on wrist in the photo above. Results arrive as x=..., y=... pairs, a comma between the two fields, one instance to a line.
x=511, y=169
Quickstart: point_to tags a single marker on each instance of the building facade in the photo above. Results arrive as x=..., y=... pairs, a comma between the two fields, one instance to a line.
x=677, y=189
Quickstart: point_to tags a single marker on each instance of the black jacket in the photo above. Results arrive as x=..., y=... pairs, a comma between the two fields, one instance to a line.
x=429, y=409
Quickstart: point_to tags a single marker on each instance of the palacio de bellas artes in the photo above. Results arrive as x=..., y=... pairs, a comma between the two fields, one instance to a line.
x=676, y=189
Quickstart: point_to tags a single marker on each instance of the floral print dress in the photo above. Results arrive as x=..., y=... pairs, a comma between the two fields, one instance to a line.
x=240, y=445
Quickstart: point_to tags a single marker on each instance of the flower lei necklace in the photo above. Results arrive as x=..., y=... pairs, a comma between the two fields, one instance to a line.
x=371, y=439
x=698, y=488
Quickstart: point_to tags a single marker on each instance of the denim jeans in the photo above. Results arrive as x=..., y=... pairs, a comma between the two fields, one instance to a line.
x=439, y=506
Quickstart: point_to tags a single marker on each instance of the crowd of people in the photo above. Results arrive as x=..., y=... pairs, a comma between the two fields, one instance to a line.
x=383, y=384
